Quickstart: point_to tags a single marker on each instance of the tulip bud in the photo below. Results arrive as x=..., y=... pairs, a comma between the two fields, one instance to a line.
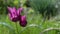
x=23, y=21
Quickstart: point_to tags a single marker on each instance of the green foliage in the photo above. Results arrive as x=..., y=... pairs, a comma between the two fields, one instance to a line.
x=27, y=3
x=51, y=31
x=5, y=3
x=45, y=7
x=8, y=27
x=35, y=24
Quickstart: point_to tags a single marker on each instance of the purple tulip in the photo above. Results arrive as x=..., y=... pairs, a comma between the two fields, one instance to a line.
x=23, y=21
x=14, y=14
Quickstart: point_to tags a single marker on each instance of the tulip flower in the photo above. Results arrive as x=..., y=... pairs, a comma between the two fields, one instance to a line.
x=14, y=14
x=23, y=21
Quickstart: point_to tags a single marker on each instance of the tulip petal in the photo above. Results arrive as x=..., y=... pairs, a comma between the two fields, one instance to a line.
x=13, y=14
x=23, y=18
x=10, y=9
x=19, y=11
x=10, y=16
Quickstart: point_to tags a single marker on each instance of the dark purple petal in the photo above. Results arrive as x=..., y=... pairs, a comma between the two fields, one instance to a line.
x=14, y=19
x=23, y=21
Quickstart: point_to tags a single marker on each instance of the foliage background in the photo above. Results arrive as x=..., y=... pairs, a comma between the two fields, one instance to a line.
x=35, y=21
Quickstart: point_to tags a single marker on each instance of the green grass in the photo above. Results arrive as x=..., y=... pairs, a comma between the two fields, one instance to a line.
x=34, y=25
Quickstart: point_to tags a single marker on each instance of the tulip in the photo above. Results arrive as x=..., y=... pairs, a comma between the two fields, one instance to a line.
x=14, y=14
x=23, y=21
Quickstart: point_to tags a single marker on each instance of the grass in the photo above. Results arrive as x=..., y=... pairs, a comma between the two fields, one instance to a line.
x=34, y=25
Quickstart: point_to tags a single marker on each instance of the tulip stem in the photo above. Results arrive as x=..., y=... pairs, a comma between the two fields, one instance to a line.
x=17, y=28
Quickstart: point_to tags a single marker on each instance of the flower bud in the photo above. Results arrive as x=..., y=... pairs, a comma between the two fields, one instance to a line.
x=23, y=21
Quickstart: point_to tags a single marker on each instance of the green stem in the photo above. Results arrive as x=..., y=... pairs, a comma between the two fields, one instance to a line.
x=17, y=28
